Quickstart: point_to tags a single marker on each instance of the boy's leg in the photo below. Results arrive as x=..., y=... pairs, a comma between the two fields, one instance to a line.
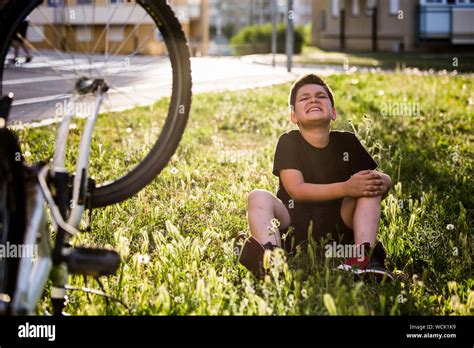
x=16, y=48
x=27, y=51
x=263, y=207
x=362, y=215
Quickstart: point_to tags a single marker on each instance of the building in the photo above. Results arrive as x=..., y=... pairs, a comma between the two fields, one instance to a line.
x=392, y=25
x=79, y=25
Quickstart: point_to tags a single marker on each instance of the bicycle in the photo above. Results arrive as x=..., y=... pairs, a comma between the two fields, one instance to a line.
x=26, y=190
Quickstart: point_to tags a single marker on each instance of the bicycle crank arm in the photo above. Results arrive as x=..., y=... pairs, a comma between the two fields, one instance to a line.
x=92, y=262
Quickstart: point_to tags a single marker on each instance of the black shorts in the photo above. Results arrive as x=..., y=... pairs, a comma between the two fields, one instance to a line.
x=327, y=222
x=21, y=31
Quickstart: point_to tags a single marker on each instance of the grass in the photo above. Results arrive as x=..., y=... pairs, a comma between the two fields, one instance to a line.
x=176, y=235
x=462, y=62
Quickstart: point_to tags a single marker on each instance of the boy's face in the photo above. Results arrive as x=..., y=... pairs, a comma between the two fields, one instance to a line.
x=313, y=107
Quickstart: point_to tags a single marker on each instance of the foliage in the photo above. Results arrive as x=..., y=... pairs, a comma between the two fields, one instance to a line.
x=258, y=39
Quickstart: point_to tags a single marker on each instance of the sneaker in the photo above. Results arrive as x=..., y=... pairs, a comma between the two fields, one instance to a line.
x=356, y=265
x=376, y=267
x=249, y=251
x=372, y=265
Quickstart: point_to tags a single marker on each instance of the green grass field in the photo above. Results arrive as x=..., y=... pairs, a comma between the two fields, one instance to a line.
x=176, y=235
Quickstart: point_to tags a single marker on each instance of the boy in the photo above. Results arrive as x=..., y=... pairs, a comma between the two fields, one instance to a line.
x=324, y=176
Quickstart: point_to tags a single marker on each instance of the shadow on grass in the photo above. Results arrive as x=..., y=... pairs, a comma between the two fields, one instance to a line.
x=460, y=61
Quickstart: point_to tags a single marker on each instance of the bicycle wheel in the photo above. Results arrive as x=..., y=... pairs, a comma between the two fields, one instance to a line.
x=138, y=48
x=12, y=210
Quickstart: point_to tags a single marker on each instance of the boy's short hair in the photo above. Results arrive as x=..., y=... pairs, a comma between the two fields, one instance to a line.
x=308, y=79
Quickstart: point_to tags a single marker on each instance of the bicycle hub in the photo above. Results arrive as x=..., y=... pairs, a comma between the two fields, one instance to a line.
x=85, y=85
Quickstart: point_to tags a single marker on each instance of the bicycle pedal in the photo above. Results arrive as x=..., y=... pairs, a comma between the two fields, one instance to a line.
x=93, y=262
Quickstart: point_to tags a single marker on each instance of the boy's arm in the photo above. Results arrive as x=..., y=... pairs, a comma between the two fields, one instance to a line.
x=366, y=183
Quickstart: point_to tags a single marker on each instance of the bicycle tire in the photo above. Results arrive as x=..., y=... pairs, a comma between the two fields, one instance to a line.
x=165, y=146
x=12, y=214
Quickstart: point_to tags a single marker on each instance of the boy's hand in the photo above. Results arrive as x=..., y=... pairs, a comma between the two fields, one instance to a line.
x=366, y=183
x=387, y=183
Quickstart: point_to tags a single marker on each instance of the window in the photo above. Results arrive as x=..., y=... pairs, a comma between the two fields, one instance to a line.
x=83, y=34
x=56, y=3
x=355, y=7
x=323, y=20
x=115, y=2
x=433, y=2
x=369, y=9
x=36, y=33
x=394, y=7
x=116, y=33
x=335, y=8
x=84, y=2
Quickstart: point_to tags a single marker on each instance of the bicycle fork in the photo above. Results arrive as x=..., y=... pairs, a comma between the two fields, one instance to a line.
x=66, y=260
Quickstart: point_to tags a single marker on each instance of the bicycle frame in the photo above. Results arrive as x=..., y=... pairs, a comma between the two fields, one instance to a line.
x=32, y=276
x=77, y=208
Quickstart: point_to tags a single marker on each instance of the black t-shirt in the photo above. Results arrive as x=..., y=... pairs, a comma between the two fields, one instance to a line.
x=337, y=162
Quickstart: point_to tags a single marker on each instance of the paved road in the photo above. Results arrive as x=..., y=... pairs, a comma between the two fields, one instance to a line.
x=43, y=87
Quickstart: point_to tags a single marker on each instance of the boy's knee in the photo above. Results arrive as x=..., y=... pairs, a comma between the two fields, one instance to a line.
x=258, y=197
x=372, y=199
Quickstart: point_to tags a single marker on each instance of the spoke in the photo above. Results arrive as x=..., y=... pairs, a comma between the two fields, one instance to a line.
x=59, y=73
x=105, y=29
x=93, y=36
x=122, y=71
x=123, y=91
x=123, y=27
x=108, y=104
x=85, y=26
x=126, y=39
x=124, y=74
x=58, y=35
x=158, y=80
x=37, y=72
x=47, y=104
x=67, y=9
x=134, y=53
